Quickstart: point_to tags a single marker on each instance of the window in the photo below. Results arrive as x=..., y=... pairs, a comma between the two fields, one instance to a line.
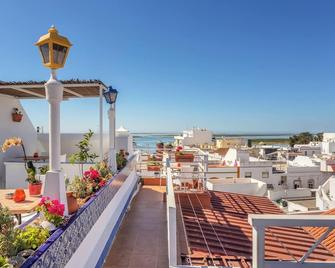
x=305, y=152
x=265, y=174
x=297, y=183
x=311, y=184
x=283, y=180
x=248, y=174
x=270, y=186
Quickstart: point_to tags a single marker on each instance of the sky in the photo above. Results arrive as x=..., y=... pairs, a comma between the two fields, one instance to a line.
x=229, y=66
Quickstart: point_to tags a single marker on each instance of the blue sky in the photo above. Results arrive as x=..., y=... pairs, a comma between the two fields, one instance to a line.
x=233, y=66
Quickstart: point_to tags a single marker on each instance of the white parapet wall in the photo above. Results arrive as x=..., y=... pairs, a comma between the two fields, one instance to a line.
x=237, y=185
x=289, y=193
x=171, y=220
x=90, y=252
x=16, y=173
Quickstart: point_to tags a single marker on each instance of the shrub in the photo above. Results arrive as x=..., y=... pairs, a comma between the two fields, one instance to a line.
x=31, y=237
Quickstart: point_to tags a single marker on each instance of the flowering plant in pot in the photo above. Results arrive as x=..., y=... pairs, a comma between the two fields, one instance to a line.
x=17, y=115
x=35, y=184
x=52, y=211
x=94, y=180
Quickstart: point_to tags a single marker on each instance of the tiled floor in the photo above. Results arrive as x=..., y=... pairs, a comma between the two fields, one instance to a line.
x=142, y=238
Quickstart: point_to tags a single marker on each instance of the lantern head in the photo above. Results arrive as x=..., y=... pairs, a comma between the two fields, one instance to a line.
x=110, y=95
x=54, y=49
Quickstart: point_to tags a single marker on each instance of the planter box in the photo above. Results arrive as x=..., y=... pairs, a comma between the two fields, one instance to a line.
x=154, y=181
x=184, y=157
x=64, y=242
x=154, y=168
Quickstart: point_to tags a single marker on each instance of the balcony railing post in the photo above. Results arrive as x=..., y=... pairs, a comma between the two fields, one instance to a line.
x=258, y=246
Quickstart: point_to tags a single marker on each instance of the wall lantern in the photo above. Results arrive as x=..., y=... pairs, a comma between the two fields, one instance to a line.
x=110, y=95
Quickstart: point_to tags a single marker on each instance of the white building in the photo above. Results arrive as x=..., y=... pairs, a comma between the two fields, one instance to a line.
x=328, y=143
x=195, y=136
x=238, y=185
x=311, y=149
x=231, y=142
x=325, y=195
x=9, y=128
x=124, y=140
x=251, y=167
x=304, y=172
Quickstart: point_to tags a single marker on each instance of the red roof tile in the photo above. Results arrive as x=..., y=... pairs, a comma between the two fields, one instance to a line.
x=218, y=232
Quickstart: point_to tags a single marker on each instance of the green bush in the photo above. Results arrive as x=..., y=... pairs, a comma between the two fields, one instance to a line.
x=3, y=262
x=31, y=238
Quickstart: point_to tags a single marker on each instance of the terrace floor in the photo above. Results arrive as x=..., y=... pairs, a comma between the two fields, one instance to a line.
x=142, y=238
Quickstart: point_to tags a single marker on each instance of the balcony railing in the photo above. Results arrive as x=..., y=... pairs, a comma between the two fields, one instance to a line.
x=260, y=221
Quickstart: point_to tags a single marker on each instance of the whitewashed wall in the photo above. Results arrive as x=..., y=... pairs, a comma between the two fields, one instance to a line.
x=69, y=141
x=16, y=173
x=241, y=186
x=8, y=128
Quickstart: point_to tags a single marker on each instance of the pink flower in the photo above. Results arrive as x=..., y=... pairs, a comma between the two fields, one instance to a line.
x=92, y=174
x=52, y=206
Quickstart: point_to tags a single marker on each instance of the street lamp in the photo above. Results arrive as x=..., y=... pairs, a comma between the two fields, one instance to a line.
x=54, y=50
x=111, y=96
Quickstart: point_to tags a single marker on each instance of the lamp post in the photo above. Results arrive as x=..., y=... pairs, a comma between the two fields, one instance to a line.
x=54, y=50
x=110, y=96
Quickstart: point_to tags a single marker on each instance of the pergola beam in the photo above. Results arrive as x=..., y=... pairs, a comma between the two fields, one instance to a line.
x=28, y=92
x=72, y=92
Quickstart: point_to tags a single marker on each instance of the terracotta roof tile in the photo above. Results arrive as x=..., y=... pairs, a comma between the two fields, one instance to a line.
x=218, y=232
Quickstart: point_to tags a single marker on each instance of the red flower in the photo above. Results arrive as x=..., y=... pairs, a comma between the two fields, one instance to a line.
x=102, y=183
x=92, y=174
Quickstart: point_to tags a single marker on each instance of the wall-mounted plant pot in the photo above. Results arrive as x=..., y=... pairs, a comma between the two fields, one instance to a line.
x=17, y=117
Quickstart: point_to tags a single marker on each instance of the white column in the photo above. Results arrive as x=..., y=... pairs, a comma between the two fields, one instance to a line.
x=258, y=246
x=112, y=153
x=101, y=134
x=54, y=185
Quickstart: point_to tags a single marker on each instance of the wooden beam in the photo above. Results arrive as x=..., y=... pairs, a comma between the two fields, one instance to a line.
x=28, y=92
x=73, y=92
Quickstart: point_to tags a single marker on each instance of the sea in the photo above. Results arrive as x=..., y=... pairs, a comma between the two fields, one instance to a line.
x=147, y=141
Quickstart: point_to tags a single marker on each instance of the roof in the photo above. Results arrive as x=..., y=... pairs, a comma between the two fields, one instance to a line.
x=218, y=232
x=73, y=88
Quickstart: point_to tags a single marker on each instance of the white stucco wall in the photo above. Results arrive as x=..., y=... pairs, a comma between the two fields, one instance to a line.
x=237, y=185
x=8, y=128
x=16, y=174
x=69, y=141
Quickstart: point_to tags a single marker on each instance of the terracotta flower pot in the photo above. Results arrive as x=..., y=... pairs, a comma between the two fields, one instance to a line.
x=17, y=117
x=72, y=203
x=35, y=189
x=19, y=195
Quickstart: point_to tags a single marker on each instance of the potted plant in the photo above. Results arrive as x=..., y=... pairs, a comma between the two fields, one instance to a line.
x=17, y=115
x=121, y=160
x=35, y=184
x=52, y=211
x=153, y=166
x=184, y=157
x=84, y=155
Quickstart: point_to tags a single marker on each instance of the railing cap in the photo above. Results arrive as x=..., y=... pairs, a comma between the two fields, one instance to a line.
x=263, y=220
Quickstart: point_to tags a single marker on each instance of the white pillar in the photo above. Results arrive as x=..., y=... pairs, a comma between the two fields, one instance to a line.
x=101, y=141
x=258, y=246
x=112, y=152
x=54, y=185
